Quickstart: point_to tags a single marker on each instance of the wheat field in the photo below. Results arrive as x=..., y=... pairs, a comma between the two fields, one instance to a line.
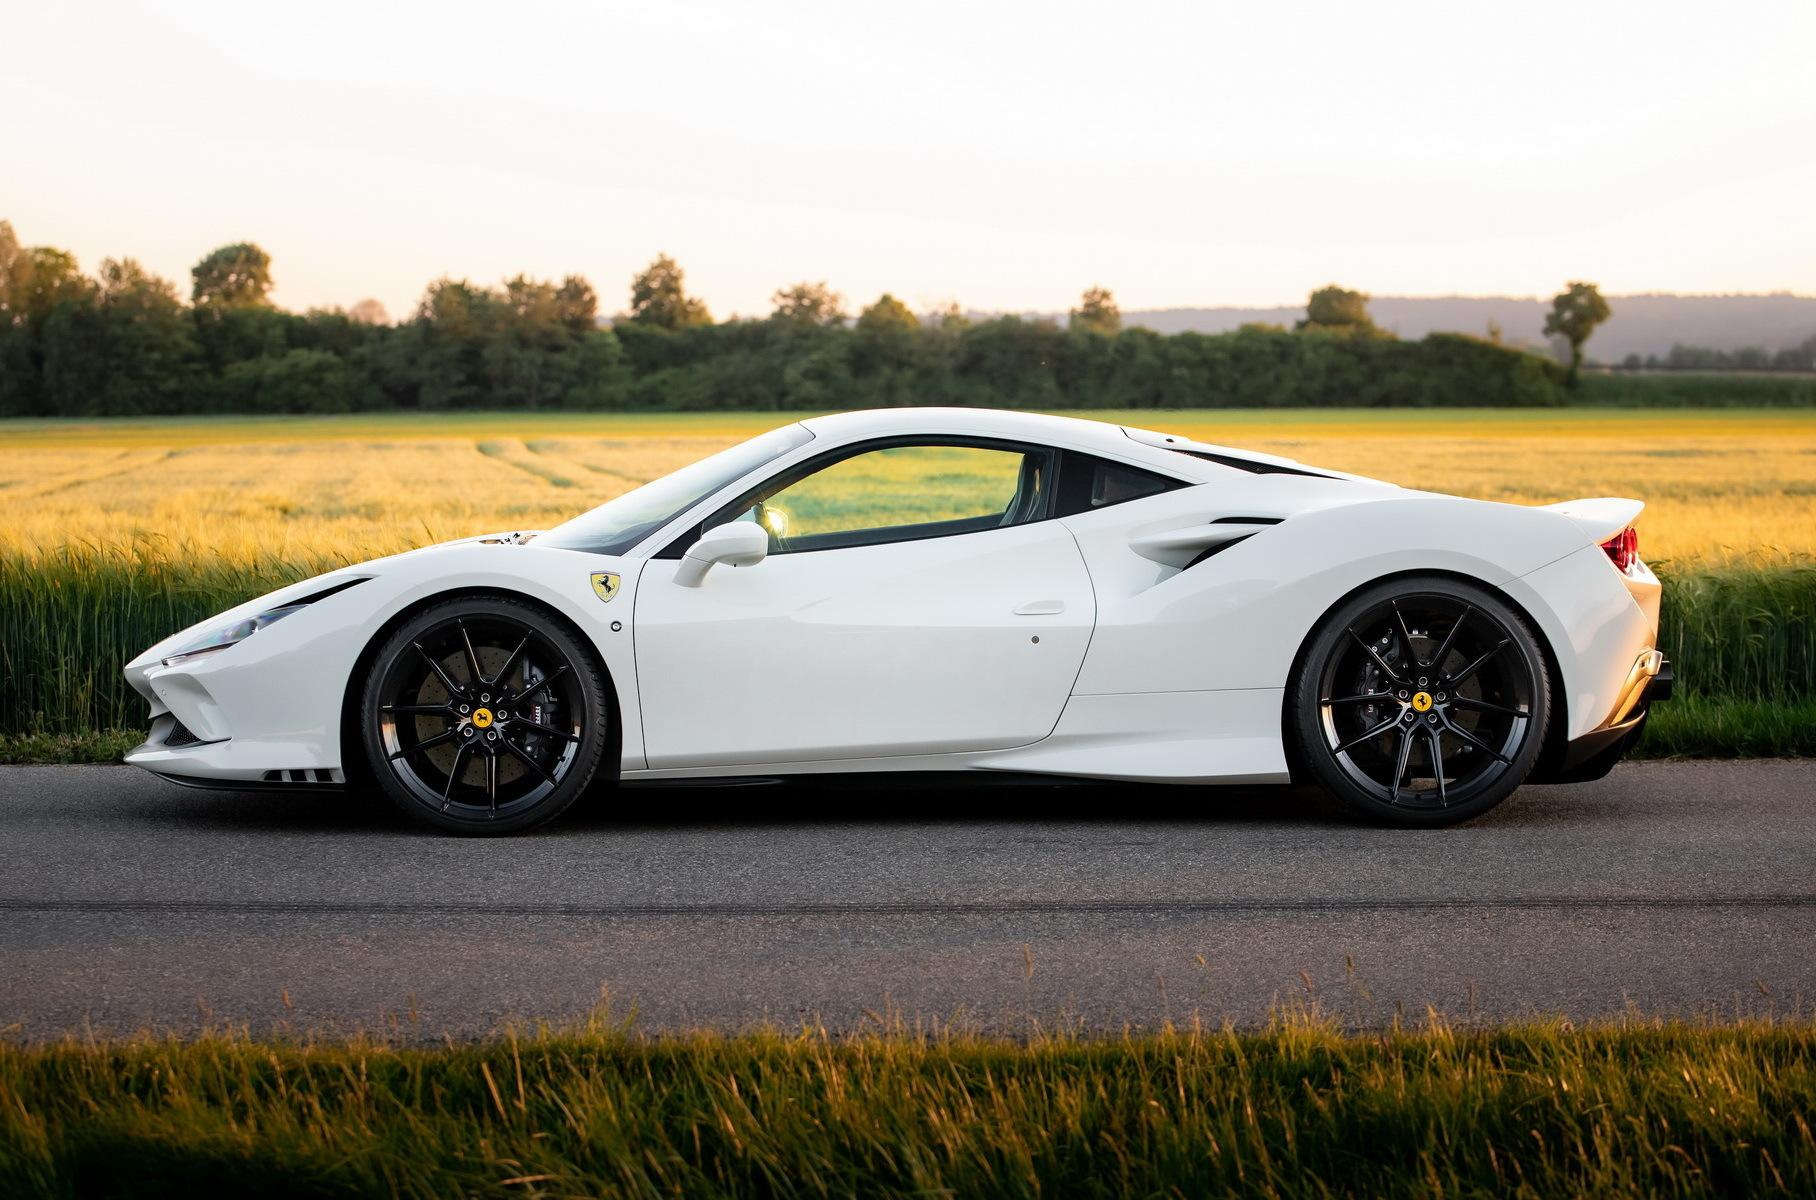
x=1720, y=486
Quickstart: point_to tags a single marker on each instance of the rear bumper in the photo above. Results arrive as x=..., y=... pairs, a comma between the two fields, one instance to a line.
x=1591, y=756
x=1649, y=679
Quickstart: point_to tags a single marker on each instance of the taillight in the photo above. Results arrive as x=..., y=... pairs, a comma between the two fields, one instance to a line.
x=1623, y=549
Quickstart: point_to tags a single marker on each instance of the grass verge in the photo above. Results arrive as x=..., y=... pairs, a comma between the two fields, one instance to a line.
x=1693, y=726
x=106, y=746
x=1301, y=1108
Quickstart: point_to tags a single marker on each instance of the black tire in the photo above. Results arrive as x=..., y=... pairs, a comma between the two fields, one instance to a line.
x=484, y=715
x=1425, y=673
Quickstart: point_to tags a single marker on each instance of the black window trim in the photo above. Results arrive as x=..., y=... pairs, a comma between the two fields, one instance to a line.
x=1072, y=491
x=800, y=470
x=1253, y=466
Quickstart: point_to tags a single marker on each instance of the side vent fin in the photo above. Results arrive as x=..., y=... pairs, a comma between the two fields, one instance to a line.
x=1219, y=548
x=1194, y=543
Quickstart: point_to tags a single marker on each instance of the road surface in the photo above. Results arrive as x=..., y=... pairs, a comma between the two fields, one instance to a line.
x=128, y=903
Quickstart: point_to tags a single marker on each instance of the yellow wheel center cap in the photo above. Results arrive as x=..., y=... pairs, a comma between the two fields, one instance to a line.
x=482, y=717
x=1421, y=702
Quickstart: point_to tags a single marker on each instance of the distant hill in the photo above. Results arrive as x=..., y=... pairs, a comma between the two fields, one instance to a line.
x=1646, y=324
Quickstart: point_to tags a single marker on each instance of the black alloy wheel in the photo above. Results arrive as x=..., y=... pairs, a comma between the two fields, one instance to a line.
x=1421, y=702
x=484, y=716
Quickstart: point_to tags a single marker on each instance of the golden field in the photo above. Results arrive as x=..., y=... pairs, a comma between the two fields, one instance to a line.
x=1719, y=485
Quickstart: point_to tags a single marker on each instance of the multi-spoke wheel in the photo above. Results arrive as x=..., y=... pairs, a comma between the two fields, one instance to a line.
x=1421, y=701
x=484, y=716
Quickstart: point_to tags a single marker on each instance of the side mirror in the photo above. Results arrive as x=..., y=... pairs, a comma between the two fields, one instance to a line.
x=741, y=544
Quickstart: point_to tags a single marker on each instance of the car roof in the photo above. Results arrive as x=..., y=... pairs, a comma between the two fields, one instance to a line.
x=1175, y=455
x=1038, y=427
x=1041, y=429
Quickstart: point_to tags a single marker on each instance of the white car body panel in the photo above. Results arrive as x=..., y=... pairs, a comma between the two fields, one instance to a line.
x=912, y=648
x=912, y=656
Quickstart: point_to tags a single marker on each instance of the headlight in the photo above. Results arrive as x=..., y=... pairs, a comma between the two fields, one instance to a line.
x=235, y=632
x=230, y=635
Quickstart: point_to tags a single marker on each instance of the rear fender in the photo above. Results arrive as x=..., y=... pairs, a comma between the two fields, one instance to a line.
x=1237, y=618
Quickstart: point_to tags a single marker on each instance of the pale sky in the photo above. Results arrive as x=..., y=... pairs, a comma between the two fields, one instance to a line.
x=1000, y=155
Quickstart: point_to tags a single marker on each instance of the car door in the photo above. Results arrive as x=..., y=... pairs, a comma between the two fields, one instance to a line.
x=916, y=599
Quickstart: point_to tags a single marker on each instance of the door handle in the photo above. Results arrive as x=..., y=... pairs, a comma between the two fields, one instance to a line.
x=1041, y=608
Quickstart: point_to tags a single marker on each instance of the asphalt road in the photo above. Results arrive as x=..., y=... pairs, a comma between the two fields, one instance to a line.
x=126, y=902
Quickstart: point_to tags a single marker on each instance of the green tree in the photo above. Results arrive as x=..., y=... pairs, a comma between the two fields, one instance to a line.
x=40, y=286
x=16, y=381
x=44, y=278
x=149, y=357
x=531, y=344
x=577, y=304
x=1097, y=311
x=1575, y=312
x=236, y=276
x=1339, y=310
x=12, y=261
x=888, y=315
x=296, y=381
x=886, y=343
x=659, y=297
x=809, y=304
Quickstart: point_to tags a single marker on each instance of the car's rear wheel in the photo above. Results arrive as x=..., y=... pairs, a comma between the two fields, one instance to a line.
x=1421, y=701
x=484, y=715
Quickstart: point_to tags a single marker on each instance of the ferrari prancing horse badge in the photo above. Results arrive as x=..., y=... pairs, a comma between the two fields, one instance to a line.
x=605, y=584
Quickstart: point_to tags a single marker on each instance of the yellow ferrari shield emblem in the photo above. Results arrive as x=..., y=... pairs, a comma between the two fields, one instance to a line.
x=1421, y=702
x=482, y=718
x=605, y=584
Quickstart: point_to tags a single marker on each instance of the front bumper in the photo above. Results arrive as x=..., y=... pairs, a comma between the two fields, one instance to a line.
x=172, y=751
x=263, y=712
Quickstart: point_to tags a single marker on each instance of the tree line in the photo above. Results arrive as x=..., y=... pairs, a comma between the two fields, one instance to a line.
x=1801, y=357
x=124, y=341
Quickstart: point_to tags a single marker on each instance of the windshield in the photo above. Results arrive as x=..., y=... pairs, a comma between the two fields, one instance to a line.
x=617, y=525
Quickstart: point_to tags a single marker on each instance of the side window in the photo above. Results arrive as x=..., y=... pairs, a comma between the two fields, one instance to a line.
x=1091, y=483
x=903, y=493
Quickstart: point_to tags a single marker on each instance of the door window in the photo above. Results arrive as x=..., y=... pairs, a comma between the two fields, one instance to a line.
x=902, y=493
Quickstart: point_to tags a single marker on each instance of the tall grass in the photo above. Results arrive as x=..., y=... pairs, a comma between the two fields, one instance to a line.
x=72, y=615
x=1743, y=633
x=1541, y=1109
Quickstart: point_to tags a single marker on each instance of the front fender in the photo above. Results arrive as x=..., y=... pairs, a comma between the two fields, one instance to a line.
x=274, y=701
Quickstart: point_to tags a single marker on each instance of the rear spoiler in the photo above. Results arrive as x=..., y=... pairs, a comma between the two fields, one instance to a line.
x=1602, y=517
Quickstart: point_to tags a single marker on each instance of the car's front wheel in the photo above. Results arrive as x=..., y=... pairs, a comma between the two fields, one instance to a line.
x=484, y=715
x=1421, y=701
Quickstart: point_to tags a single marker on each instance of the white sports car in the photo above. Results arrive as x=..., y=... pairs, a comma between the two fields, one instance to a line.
x=941, y=590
